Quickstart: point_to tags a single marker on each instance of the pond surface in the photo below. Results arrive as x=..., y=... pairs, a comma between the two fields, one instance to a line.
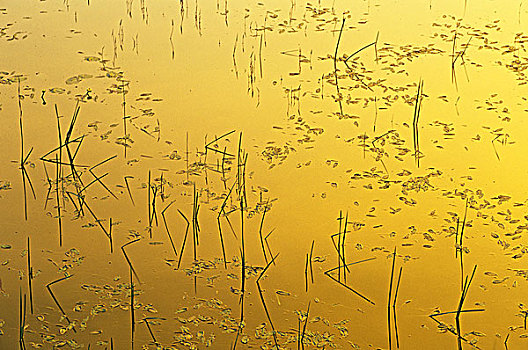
x=279, y=174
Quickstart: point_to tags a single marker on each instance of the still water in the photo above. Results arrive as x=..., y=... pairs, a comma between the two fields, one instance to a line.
x=279, y=174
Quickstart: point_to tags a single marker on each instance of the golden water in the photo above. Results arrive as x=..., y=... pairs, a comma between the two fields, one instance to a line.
x=209, y=96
